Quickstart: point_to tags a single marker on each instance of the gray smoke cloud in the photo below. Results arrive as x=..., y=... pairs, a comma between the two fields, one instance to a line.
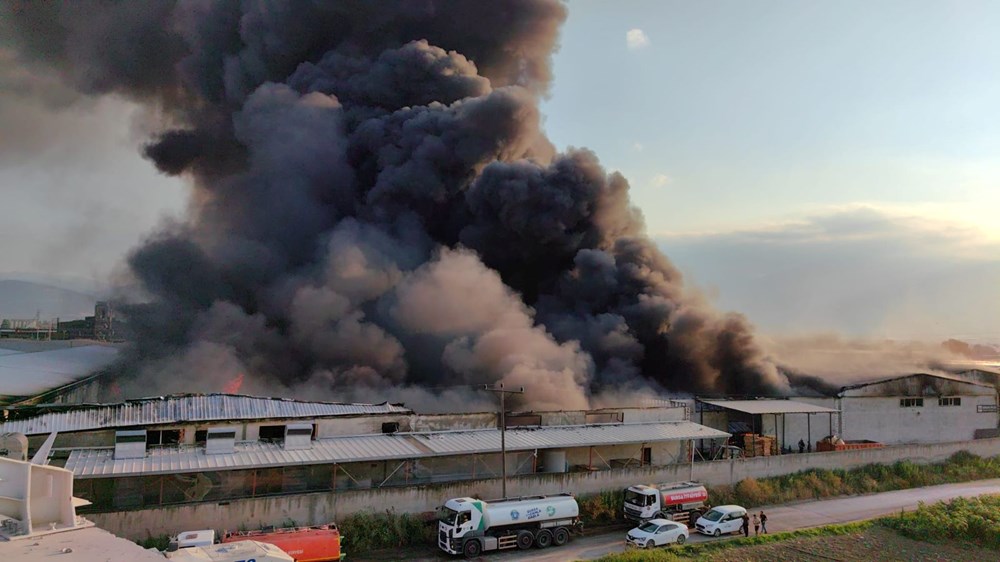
x=376, y=211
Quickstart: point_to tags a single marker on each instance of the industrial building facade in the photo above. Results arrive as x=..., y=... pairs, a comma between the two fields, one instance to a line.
x=209, y=448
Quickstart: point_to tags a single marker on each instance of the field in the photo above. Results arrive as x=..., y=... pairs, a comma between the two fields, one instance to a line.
x=875, y=543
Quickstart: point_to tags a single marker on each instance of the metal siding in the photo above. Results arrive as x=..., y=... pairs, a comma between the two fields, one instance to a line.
x=189, y=408
x=555, y=437
x=770, y=406
x=100, y=462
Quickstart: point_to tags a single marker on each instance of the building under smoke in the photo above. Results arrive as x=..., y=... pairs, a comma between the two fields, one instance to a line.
x=376, y=210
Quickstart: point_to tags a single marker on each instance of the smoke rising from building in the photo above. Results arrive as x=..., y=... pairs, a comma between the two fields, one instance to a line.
x=376, y=212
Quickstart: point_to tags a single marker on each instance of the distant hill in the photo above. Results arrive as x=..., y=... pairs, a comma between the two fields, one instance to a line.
x=22, y=299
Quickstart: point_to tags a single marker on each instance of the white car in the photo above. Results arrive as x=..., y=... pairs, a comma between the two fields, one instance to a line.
x=657, y=532
x=721, y=520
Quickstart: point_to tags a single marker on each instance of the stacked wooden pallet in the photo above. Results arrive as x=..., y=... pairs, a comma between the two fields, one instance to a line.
x=755, y=445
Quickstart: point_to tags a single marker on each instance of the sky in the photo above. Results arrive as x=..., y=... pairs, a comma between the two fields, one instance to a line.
x=820, y=167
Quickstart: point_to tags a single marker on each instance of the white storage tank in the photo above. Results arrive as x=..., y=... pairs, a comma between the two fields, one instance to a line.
x=553, y=461
x=527, y=510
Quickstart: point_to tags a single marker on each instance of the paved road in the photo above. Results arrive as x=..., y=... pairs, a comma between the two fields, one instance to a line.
x=779, y=518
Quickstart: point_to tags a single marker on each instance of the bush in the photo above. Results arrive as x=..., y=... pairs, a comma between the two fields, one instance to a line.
x=159, y=542
x=367, y=531
x=815, y=484
x=965, y=519
x=603, y=508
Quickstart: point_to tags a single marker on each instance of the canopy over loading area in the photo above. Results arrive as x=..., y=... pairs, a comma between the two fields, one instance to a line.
x=766, y=418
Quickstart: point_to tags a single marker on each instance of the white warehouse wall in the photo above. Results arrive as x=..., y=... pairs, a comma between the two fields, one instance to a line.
x=882, y=419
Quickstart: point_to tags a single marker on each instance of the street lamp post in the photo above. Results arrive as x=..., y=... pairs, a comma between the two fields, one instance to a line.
x=499, y=389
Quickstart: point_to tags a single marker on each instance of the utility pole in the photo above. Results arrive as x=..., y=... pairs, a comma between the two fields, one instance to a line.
x=499, y=389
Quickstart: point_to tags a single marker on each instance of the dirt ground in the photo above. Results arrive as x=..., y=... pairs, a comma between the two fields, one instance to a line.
x=871, y=545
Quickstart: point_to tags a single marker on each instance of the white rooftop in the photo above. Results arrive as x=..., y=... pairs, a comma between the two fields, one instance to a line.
x=91, y=463
x=175, y=409
x=555, y=437
x=80, y=544
x=770, y=406
x=26, y=373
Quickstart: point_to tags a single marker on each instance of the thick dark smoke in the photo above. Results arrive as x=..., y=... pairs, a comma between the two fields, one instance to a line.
x=376, y=210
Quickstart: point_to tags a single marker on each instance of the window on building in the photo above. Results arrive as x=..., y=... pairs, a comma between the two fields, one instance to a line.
x=911, y=402
x=647, y=455
x=200, y=436
x=949, y=401
x=163, y=436
x=273, y=433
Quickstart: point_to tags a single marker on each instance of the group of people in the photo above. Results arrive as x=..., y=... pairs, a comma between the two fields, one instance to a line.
x=759, y=524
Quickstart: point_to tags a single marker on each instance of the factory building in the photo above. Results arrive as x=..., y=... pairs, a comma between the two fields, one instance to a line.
x=206, y=448
x=918, y=408
x=52, y=371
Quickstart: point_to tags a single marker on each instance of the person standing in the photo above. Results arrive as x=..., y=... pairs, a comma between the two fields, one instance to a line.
x=746, y=525
x=763, y=522
x=756, y=525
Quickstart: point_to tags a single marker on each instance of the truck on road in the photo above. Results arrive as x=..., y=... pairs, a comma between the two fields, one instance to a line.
x=470, y=526
x=677, y=501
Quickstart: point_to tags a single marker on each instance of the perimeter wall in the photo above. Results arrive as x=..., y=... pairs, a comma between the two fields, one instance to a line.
x=318, y=508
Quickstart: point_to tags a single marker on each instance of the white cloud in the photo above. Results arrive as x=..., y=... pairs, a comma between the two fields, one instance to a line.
x=636, y=39
x=860, y=271
x=660, y=180
x=637, y=146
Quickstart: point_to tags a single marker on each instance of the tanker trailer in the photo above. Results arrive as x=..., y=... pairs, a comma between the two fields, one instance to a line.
x=469, y=526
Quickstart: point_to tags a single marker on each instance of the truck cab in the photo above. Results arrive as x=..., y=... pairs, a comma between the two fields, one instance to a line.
x=644, y=502
x=459, y=518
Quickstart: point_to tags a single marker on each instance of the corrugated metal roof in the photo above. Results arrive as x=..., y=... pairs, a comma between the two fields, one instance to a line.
x=953, y=378
x=770, y=406
x=85, y=463
x=557, y=437
x=89, y=463
x=179, y=408
x=30, y=373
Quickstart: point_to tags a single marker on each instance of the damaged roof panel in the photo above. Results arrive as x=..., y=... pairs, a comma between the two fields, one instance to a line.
x=770, y=406
x=173, y=409
x=919, y=384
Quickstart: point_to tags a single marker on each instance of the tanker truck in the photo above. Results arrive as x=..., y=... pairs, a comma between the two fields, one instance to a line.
x=469, y=526
x=677, y=501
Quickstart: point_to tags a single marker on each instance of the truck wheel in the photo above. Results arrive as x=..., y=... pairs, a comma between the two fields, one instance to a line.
x=660, y=515
x=472, y=549
x=543, y=539
x=560, y=536
x=524, y=540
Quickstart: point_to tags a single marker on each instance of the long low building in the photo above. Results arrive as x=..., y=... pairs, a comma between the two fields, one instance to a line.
x=201, y=448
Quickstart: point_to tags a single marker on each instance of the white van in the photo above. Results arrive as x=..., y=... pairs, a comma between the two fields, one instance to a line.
x=721, y=520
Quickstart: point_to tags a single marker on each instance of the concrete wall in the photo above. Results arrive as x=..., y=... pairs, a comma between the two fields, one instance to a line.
x=324, y=507
x=882, y=419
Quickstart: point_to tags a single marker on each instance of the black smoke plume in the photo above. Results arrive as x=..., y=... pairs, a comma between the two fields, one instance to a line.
x=376, y=210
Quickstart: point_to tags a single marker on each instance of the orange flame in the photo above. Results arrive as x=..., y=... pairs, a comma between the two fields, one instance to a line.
x=233, y=386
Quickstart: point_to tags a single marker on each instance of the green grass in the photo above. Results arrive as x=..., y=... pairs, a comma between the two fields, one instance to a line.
x=159, y=542
x=869, y=479
x=368, y=531
x=974, y=520
x=704, y=551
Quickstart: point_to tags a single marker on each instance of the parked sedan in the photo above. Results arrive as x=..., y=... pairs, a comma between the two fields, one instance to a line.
x=657, y=532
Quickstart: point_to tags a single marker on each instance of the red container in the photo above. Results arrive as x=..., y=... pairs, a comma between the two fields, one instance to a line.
x=320, y=543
